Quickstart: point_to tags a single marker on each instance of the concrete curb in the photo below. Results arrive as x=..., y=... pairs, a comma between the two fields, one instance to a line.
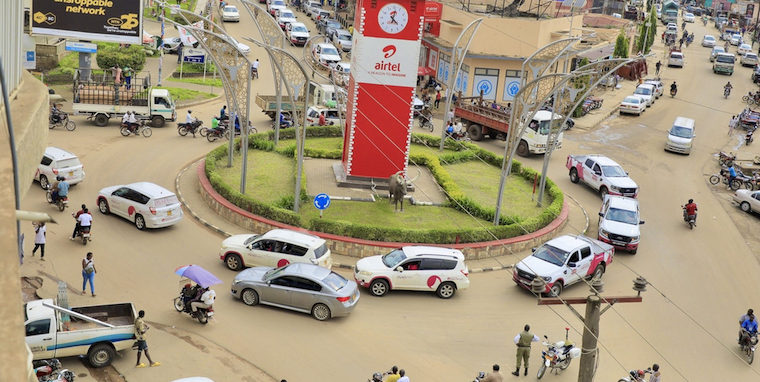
x=192, y=213
x=199, y=102
x=585, y=214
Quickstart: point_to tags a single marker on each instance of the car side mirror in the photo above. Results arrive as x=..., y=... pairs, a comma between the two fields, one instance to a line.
x=642, y=222
x=400, y=269
x=601, y=214
x=533, y=250
x=546, y=336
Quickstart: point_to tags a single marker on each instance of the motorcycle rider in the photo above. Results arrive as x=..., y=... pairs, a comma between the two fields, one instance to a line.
x=55, y=114
x=690, y=209
x=132, y=121
x=61, y=188
x=742, y=318
x=731, y=176
x=493, y=376
x=284, y=122
x=728, y=87
x=749, y=329
x=656, y=375
x=85, y=220
x=673, y=88
x=76, y=217
x=206, y=300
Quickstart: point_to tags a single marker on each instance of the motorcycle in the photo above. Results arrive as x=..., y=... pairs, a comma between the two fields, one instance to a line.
x=142, y=128
x=283, y=125
x=726, y=159
x=480, y=376
x=748, y=343
x=749, y=137
x=726, y=92
x=558, y=355
x=673, y=92
x=724, y=177
x=425, y=123
x=690, y=219
x=202, y=314
x=83, y=233
x=63, y=120
x=44, y=368
x=635, y=376
x=183, y=127
x=218, y=133
x=62, y=202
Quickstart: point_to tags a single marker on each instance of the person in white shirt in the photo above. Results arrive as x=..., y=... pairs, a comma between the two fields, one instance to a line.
x=85, y=220
x=189, y=118
x=207, y=300
x=403, y=377
x=132, y=122
x=458, y=130
x=255, y=68
x=39, y=239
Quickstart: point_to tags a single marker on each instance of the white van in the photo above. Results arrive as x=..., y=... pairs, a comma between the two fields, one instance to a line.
x=681, y=136
x=276, y=248
x=56, y=162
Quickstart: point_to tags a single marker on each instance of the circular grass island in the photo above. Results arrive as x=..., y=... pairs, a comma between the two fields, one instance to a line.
x=461, y=183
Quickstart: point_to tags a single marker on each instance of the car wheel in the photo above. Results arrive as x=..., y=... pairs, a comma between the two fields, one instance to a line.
x=250, y=297
x=139, y=222
x=598, y=272
x=157, y=121
x=446, y=290
x=234, y=262
x=101, y=120
x=633, y=251
x=103, y=206
x=522, y=149
x=556, y=289
x=101, y=355
x=321, y=312
x=745, y=207
x=378, y=288
x=44, y=182
x=604, y=191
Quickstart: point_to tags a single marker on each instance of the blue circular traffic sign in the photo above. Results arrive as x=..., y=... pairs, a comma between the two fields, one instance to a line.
x=322, y=201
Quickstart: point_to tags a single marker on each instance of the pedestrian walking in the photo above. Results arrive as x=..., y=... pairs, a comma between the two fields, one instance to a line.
x=88, y=273
x=732, y=125
x=493, y=376
x=523, y=341
x=437, y=98
x=39, y=239
x=140, y=329
x=657, y=68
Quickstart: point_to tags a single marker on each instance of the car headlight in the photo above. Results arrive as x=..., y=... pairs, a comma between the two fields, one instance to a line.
x=236, y=281
x=365, y=273
x=224, y=246
x=635, y=239
x=614, y=188
x=546, y=278
x=604, y=232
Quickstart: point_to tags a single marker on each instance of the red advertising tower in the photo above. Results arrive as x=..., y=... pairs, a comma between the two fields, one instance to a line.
x=384, y=63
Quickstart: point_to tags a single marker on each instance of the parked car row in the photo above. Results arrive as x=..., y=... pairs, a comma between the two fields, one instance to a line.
x=643, y=97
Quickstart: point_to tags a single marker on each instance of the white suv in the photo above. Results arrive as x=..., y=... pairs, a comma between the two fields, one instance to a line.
x=56, y=162
x=414, y=268
x=619, y=223
x=326, y=55
x=276, y=248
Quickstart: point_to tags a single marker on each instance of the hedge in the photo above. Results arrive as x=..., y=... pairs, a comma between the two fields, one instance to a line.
x=509, y=226
x=110, y=54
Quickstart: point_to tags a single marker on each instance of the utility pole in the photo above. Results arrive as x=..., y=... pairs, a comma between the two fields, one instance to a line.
x=591, y=319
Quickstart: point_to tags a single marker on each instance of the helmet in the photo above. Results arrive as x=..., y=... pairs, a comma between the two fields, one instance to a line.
x=691, y=200
x=60, y=177
x=377, y=377
x=189, y=111
x=640, y=373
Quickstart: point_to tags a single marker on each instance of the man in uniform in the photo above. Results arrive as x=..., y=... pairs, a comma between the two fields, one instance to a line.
x=523, y=341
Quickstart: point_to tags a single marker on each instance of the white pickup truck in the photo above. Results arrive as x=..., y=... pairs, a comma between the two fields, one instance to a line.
x=96, y=331
x=602, y=174
x=564, y=261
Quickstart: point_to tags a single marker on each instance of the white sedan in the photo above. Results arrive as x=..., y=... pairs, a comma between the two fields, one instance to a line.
x=747, y=200
x=688, y=17
x=708, y=41
x=749, y=59
x=744, y=48
x=633, y=104
x=230, y=13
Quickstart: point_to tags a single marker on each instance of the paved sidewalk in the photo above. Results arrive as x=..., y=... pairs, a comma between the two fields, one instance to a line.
x=612, y=98
x=187, y=186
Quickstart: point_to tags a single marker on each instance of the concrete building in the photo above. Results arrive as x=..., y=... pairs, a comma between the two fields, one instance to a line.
x=496, y=55
x=28, y=108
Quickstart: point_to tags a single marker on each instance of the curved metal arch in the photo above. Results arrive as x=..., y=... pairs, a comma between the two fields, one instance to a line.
x=545, y=57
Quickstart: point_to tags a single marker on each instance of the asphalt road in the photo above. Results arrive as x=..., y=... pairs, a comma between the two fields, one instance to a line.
x=701, y=280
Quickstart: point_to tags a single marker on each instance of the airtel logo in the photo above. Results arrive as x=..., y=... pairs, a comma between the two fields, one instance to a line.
x=389, y=51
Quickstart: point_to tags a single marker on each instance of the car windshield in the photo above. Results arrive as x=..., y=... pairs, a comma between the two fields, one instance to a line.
x=614, y=171
x=329, y=51
x=645, y=91
x=725, y=59
x=622, y=216
x=333, y=24
x=631, y=100
x=551, y=254
x=681, y=132
x=344, y=37
x=230, y=9
x=709, y=38
x=274, y=273
x=278, y=2
x=287, y=15
x=689, y=15
x=718, y=50
x=250, y=239
x=300, y=29
x=390, y=260
x=335, y=281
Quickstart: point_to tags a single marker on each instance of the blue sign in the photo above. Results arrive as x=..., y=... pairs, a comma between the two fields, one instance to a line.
x=485, y=86
x=85, y=47
x=193, y=55
x=322, y=201
x=513, y=88
x=194, y=59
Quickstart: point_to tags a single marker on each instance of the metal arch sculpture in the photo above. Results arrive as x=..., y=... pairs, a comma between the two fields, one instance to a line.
x=458, y=53
x=228, y=59
x=316, y=70
x=599, y=71
x=545, y=57
x=527, y=100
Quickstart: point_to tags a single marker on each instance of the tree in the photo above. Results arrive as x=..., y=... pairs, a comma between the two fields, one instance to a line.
x=110, y=54
x=621, y=45
x=645, y=39
x=583, y=82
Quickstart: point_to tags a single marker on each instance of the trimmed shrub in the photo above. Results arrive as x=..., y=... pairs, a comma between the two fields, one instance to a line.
x=110, y=54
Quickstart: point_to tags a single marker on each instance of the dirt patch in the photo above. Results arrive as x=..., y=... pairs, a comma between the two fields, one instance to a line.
x=102, y=374
x=29, y=286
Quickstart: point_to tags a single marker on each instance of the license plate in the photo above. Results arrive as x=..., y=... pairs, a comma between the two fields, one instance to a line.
x=168, y=213
x=71, y=173
x=620, y=243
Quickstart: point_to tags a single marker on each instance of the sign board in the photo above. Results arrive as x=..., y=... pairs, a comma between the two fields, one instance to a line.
x=30, y=60
x=186, y=37
x=193, y=55
x=86, y=47
x=97, y=20
x=322, y=201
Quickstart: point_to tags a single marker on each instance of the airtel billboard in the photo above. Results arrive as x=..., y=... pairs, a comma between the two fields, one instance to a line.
x=433, y=11
x=95, y=20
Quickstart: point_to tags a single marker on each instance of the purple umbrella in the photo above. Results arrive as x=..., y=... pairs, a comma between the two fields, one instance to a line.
x=201, y=276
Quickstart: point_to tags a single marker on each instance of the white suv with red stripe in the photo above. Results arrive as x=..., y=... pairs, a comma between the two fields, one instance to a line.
x=423, y=268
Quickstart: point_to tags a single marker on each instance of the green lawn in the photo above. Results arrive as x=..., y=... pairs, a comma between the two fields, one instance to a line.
x=187, y=5
x=337, y=143
x=262, y=182
x=182, y=94
x=210, y=81
x=480, y=182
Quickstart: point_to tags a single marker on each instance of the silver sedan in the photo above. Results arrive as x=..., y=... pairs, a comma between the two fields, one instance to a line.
x=301, y=287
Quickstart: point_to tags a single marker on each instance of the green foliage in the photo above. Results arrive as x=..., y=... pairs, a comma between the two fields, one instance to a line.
x=281, y=210
x=583, y=82
x=111, y=54
x=646, y=35
x=621, y=45
x=199, y=81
